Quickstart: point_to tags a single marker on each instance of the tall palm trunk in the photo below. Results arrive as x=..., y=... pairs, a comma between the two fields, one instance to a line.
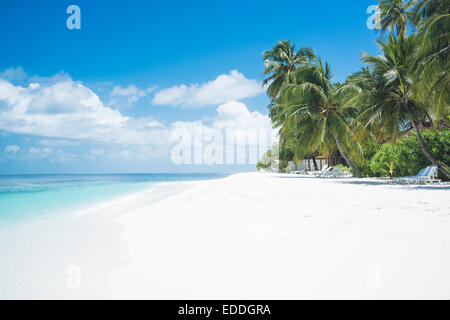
x=403, y=30
x=347, y=158
x=316, y=167
x=425, y=150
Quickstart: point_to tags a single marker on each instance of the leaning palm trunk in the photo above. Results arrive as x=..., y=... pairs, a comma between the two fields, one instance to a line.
x=347, y=158
x=427, y=153
x=316, y=167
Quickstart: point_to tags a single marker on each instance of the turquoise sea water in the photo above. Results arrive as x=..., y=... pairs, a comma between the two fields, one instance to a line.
x=25, y=197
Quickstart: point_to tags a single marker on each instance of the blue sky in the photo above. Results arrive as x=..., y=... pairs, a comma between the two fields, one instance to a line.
x=128, y=53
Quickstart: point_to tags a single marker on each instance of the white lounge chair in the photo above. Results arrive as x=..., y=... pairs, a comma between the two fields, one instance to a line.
x=405, y=179
x=336, y=172
x=425, y=175
x=304, y=171
x=325, y=169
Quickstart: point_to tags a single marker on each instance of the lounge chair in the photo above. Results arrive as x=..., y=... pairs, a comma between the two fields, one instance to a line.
x=424, y=176
x=336, y=172
x=304, y=171
x=427, y=177
x=325, y=169
x=405, y=179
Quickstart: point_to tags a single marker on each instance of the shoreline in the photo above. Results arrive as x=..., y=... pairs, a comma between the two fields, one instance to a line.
x=248, y=235
x=48, y=202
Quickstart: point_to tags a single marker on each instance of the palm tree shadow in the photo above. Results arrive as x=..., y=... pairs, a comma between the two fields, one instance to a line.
x=386, y=183
x=294, y=176
x=369, y=183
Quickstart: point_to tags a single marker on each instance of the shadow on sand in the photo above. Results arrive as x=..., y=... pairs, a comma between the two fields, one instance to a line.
x=368, y=182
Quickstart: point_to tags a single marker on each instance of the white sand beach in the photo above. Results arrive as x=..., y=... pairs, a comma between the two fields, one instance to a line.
x=247, y=236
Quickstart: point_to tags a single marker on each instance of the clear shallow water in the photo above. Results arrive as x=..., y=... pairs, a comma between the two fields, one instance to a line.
x=25, y=197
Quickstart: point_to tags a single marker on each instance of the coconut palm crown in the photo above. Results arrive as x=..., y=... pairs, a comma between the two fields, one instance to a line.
x=393, y=103
x=396, y=15
x=433, y=18
x=280, y=64
x=312, y=112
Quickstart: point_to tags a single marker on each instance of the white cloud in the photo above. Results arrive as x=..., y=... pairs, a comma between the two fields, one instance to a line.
x=234, y=118
x=235, y=115
x=62, y=108
x=63, y=112
x=12, y=148
x=40, y=152
x=33, y=150
x=224, y=88
x=233, y=136
x=126, y=96
x=97, y=151
x=33, y=86
x=58, y=142
x=13, y=74
x=62, y=156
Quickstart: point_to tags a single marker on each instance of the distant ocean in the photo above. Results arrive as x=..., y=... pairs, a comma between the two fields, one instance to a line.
x=24, y=197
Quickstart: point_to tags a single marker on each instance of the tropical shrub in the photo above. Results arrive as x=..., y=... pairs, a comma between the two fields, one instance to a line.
x=407, y=157
x=265, y=161
x=393, y=104
x=369, y=148
x=389, y=169
x=387, y=153
x=286, y=153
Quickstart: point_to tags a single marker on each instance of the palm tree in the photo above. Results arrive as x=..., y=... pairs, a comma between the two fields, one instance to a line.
x=314, y=115
x=366, y=85
x=396, y=15
x=425, y=9
x=433, y=19
x=280, y=63
x=392, y=103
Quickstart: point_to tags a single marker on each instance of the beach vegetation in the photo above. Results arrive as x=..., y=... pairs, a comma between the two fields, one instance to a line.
x=393, y=104
x=396, y=15
x=391, y=117
x=265, y=161
x=280, y=64
x=406, y=154
x=311, y=112
x=389, y=168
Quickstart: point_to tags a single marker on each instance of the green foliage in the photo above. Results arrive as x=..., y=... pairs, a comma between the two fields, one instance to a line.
x=287, y=148
x=265, y=161
x=390, y=101
x=388, y=153
x=433, y=19
x=346, y=169
x=280, y=63
x=407, y=156
x=396, y=14
x=369, y=148
x=389, y=169
x=404, y=86
x=310, y=112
